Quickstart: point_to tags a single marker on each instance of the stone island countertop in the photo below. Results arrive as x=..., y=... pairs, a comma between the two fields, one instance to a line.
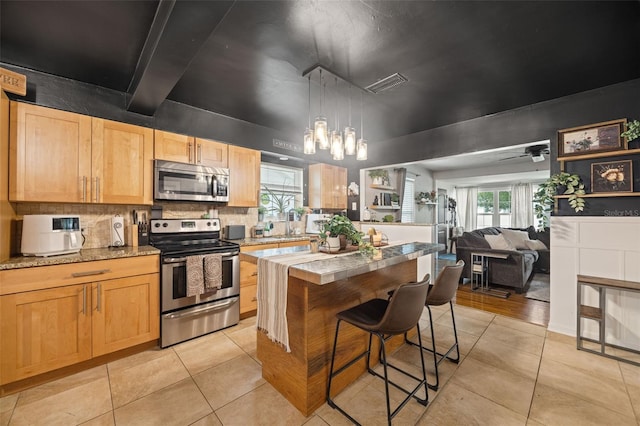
x=273, y=239
x=86, y=255
x=338, y=266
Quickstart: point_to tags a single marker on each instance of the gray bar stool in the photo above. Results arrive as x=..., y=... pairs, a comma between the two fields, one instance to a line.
x=441, y=292
x=381, y=317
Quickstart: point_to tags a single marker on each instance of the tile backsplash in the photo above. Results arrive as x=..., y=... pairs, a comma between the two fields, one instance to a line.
x=95, y=219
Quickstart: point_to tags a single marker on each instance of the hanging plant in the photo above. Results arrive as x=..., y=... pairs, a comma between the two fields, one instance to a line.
x=633, y=130
x=543, y=199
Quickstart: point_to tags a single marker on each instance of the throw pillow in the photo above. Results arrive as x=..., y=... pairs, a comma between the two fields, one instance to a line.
x=499, y=242
x=516, y=238
x=535, y=245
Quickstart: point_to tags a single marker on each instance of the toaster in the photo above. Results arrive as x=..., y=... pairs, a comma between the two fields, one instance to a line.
x=50, y=234
x=234, y=232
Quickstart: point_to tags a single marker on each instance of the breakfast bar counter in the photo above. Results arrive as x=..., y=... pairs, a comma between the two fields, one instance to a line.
x=318, y=287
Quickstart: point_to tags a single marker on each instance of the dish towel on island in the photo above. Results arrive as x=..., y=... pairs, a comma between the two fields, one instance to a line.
x=273, y=276
x=204, y=273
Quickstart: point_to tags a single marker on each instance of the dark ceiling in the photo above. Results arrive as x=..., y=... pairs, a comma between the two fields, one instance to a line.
x=245, y=59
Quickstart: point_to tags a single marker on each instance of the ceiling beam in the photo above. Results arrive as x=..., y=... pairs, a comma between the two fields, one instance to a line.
x=177, y=33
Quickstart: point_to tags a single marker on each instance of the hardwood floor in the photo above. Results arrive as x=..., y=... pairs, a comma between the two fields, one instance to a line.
x=515, y=306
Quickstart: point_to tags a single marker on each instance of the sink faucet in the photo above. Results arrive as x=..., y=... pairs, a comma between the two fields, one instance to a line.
x=290, y=214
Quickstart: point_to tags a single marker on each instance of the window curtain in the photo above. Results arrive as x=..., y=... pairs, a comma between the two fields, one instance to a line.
x=467, y=207
x=521, y=205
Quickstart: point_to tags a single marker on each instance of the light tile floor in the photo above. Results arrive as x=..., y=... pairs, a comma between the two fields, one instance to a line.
x=511, y=372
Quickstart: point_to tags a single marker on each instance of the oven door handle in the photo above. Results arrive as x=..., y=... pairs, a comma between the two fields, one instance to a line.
x=184, y=259
x=216, y=307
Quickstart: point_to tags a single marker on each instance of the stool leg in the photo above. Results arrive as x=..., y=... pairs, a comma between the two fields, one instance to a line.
x=333, y=359
x=435, y=354
x=455, y=335
x=383, y=360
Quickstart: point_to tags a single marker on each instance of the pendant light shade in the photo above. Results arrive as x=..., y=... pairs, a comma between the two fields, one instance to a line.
x=321, y=133
x=308, y=141
x=337, y=146
x=349, y=140
x=361, y=149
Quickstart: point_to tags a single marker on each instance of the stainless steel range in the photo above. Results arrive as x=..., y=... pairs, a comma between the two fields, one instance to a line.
x=185, y=317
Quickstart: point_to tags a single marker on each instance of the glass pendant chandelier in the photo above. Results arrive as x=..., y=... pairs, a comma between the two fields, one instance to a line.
x=320, y=125
x=361, y=149
x=309, y=142
x=349, y=133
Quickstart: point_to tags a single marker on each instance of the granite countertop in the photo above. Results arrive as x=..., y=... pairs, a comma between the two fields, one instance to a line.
x=85, y=255
x=396, y=223
x=341, y=266
x=273, y=240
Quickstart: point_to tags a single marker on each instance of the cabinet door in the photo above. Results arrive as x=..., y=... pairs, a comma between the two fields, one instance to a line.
x=173, y=147
x=50, y=155
x=249, y=279
x=244, y=177
x=44, y=330
x=340, y=187
x=122, y=163
x=125, y=312
x=212, y=153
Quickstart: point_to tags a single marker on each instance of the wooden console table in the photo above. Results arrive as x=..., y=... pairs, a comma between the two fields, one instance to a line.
x=599, y=314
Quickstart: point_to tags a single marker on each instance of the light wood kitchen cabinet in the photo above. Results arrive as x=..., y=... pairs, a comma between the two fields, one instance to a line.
x=244, y=177
x=49, y=154
x=122, y=163
x=187, y=149
x=327, y=187
x=249, y=276
x=56, y=316
x=44, y=330
x=125, y=312
x=58, y=156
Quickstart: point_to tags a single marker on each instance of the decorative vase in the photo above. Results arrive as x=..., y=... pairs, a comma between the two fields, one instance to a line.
x=343, y=241
x=377, y=180
x=333, y=244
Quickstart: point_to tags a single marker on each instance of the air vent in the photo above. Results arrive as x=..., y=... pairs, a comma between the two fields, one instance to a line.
x=386, y=83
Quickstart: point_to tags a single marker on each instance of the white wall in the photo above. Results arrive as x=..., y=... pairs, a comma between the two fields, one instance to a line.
x=606, y=247
x=424, y=183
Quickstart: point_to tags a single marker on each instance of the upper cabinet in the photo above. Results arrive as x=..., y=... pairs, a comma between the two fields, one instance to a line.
x=49, y=155
x=327, y=187
x=58, y=156
x=187, y=149
x=244, y=177
x=122, y=163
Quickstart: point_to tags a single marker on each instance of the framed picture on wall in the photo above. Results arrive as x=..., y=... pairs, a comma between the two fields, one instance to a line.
x=591, y=138
x=612, y=176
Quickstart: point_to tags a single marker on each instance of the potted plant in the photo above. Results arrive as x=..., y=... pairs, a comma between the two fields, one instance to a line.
x=300, y=211
x=336, y=227
x=395, y=199
x=261, y=211
x=379, y=176
x=280, y=201
x=543, y=199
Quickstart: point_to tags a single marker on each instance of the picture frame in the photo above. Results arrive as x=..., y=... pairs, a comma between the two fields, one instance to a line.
x=592, y=138
x=612, y=176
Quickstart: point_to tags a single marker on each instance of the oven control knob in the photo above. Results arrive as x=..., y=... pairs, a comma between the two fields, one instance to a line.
x=164, y=225
x=208, y=223
x=157, y=225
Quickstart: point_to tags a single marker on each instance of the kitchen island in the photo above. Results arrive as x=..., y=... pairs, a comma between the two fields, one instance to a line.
x=316, y=291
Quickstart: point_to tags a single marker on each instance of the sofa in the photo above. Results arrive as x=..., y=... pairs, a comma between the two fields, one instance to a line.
x=521, y=262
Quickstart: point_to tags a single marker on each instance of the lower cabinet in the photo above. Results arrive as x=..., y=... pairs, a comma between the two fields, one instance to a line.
x=43, y=330
x=249, y=276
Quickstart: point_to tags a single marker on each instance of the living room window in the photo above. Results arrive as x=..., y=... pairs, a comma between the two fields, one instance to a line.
x=494, y=208
x=408, y=203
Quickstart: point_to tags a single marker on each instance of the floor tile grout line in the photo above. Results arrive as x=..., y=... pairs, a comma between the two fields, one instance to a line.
x=626, y=386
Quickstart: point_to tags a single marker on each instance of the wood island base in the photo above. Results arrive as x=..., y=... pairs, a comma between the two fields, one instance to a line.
x=301, y=375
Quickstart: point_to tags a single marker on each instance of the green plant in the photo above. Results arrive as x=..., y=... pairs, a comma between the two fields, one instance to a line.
x=395, y=198
x=633, y=130
x=280, y=200
x=427, y=196
x=341, y=225
x=367, y=249
x=262, y=210
x=300, y=211
x=388, y=218
x=378, y=173
x=543, y=200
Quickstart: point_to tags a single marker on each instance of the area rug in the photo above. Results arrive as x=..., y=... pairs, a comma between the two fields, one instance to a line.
x=539, y=288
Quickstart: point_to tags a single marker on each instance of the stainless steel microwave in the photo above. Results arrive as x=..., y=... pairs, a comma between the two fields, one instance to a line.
x=190, y=182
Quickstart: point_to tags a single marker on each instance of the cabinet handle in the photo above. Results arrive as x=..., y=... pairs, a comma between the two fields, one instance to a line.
x=84, y=189
x=84, y=300
x=199, y=154
x=99, y=296
x=97, y=190
x=254, y=299
x=189, y=149
x=255, y=274
x=88, y=273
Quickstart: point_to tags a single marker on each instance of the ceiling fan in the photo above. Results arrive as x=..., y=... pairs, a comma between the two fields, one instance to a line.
x=536, y=152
